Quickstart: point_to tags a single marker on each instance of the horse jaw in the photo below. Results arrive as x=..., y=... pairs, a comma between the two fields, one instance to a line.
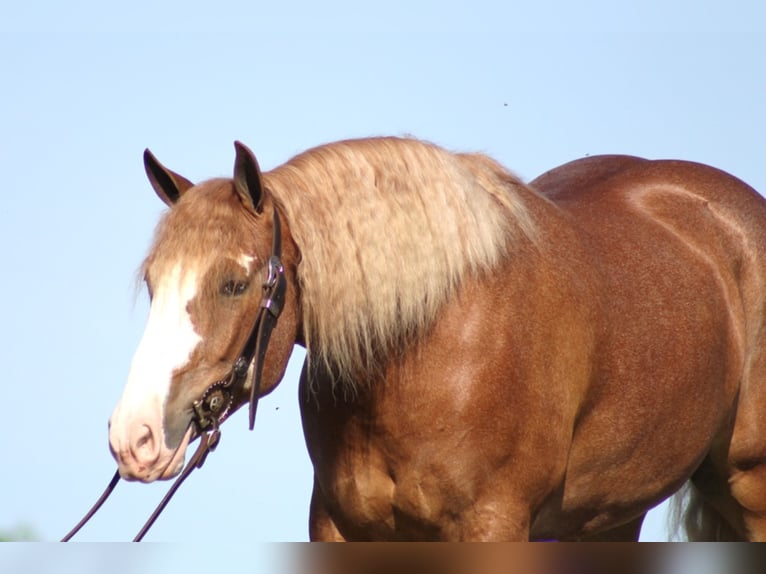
x=137, y=435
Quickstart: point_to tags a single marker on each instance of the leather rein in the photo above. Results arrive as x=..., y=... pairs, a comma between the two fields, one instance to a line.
x=214, y=406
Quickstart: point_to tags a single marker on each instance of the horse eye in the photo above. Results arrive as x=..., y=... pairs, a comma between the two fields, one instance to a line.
x=232, y=288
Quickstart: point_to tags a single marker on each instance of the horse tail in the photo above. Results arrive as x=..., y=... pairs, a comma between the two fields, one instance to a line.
x=693, y=518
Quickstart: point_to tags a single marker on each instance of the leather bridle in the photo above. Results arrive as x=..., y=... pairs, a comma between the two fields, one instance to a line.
x=214, y=406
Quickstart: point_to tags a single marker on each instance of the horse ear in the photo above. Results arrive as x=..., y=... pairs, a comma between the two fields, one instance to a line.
x=168, y=185
x=247, y=178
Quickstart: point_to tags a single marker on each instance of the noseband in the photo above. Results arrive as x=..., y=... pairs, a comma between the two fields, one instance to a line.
x=214, y=406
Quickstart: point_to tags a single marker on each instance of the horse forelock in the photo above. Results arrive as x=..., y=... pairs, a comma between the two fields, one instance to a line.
x=387, y=229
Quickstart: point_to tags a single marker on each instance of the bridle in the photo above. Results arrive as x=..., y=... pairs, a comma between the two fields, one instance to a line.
x=214, y=406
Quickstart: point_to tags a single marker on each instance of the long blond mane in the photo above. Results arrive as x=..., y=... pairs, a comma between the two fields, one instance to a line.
x=387, y=229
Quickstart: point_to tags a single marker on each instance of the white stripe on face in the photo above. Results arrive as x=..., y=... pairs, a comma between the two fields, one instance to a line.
x=167, y=344
x=169, y=338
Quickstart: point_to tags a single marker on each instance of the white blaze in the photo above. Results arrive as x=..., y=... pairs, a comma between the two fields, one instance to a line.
x=168, y=340
x=166, y=345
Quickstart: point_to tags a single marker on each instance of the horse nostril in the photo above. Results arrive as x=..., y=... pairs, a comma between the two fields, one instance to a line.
x=144, y=445
x=143, y=440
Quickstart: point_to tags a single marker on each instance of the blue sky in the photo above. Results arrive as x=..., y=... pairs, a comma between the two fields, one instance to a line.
x=88, y=85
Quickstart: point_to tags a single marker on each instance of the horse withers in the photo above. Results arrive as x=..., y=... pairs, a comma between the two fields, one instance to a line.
x=486, y=360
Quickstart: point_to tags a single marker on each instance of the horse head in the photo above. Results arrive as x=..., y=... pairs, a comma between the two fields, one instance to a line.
x=206, y=273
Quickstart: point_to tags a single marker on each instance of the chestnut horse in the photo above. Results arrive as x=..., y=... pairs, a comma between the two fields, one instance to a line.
x=486, y=360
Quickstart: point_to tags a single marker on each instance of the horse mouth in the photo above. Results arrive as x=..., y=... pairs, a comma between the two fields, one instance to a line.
x=176, y=462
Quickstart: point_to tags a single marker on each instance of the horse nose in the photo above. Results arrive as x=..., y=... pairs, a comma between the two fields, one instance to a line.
x=143, y=446
x=140, y=452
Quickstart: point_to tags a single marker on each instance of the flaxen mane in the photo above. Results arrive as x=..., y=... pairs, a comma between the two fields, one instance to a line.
x=387, y=228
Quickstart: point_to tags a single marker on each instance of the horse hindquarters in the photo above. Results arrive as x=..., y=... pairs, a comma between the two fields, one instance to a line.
x=747, y=451
x=726, y=499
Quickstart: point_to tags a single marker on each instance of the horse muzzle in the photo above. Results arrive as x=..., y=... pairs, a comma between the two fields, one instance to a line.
x=142, y=455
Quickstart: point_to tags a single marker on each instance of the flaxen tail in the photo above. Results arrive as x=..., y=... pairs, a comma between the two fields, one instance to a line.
x=694, y=519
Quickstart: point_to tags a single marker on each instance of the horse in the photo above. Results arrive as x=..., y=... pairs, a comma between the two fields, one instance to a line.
x=486, y=359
